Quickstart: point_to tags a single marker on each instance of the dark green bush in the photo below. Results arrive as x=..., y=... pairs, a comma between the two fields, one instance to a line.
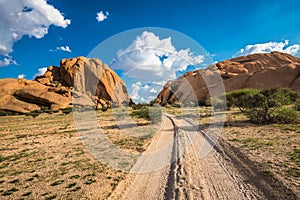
x=153, y=114
x=285, y=115
x=239, y=98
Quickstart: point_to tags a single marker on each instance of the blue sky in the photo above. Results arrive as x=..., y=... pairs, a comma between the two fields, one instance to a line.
x=222, y=28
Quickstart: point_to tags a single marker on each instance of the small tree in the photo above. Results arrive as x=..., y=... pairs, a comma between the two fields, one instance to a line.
x=266, y=105
x=240, y=98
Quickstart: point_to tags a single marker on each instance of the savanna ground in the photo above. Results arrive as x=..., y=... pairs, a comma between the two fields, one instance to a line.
x=43, y=158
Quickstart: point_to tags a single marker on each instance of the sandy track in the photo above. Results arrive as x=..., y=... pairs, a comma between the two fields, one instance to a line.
x=151, y=184
x=188, y=176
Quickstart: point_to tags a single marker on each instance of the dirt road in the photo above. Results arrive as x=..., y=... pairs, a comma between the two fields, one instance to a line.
x=190, y=174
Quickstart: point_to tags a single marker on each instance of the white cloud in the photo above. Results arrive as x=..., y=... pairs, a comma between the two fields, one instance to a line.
x=269, y=47
x=152, y=60
x=101, y=16
x=153, y=91
x=62, y=48
x=21, y=76
x=41, y=71
x=145, y=91
x=26, y=17
x=7, y=61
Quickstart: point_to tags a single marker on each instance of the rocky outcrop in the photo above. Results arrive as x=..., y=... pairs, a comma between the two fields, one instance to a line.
x=77, y=82
x=253, y=71
x=24, y=96
x=93, y=78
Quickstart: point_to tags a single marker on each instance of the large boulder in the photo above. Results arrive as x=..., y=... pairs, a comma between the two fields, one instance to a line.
x=253, y=71
x=92, y=77
x=78, y=81
x=24, y=96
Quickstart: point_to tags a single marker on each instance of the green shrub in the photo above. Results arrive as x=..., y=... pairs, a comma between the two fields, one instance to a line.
x=285, y=115
x=257, y=116
x=239, y=98
x=265, y=105
x=153, y=114
x=139, y=106
x=142, y=113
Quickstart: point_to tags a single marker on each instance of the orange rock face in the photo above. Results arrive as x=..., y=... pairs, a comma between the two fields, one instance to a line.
x=92, y=77
x=24, y=96
x=78, y=81
x=253, y=71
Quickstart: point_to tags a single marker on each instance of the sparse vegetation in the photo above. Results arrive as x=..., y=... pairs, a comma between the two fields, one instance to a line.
x=75, y=189
x=295, y=156
x=57, y=183
x=45, y=155
x=27, y=194
x=295, y=172
x=90, y=181
x=9, y=192
x=14, y=181
x=274, y=147
x=71, y=185
x=75, y=176
x=50, y=146
x=51, y=197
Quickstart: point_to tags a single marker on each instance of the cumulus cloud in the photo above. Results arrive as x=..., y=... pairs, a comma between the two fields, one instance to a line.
x=283, y=47
x=152, y=60
x=64, y=48
x=21, y=76
x=26, y=17
x=101, y=16
x=41, y=71
x=145, y=92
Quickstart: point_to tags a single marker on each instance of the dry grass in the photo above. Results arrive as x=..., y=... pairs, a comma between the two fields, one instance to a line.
x=43, y=157
x=275, y=146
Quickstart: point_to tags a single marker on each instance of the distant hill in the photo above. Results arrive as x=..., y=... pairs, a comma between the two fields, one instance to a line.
x=89, y=81
x=263, y=70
